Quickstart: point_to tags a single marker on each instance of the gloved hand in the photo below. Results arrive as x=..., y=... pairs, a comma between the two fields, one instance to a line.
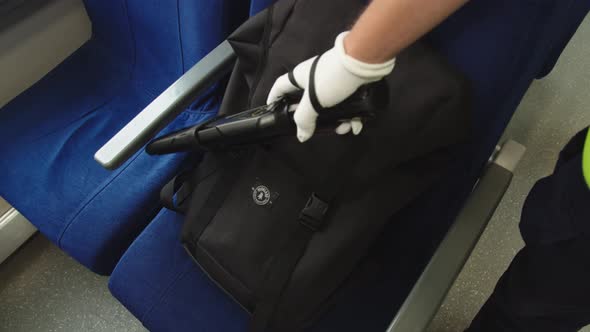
x=336, y=76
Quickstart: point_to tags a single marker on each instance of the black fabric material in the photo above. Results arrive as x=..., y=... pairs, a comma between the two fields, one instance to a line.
x=210, y=184
x=170, y=189
x=573, y=148
x=175, y=194
x=278, y=276
x=365, y=179
x=222, y=186
x=246, y=237
x=311, y=219
x=546, y=288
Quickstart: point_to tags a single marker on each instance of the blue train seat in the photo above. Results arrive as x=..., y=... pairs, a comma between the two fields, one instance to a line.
x=501, y=46
x=50, y=132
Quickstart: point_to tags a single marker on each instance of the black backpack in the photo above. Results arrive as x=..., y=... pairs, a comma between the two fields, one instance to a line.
x=280, y=226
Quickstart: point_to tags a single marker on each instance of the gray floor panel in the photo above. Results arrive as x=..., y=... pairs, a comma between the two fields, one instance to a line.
x=42, y=289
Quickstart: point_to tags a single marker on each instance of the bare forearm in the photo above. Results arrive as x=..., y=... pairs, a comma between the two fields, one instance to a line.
x=389, y=26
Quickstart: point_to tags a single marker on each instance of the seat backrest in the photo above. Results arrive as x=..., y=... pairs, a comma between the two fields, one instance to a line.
x=110, y=27
x=258, y=5
x=501, y=43
x=565, y=20
x=161, y=39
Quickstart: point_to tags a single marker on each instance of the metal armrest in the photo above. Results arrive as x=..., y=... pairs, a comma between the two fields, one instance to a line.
x=166, y=107
x=430, y=290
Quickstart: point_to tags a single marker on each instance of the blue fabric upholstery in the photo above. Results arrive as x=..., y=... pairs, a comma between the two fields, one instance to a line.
x=501, y=45
x=160, y=284
x=258, y=5
x=50, y=133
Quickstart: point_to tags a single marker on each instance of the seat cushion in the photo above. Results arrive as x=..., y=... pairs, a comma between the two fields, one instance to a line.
x=50, y=176
x=164, y=288
x=50, y=132
x=161, y=285
x=501, y=54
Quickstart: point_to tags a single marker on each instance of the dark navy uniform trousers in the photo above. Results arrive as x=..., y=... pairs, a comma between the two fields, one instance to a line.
x=547, y=286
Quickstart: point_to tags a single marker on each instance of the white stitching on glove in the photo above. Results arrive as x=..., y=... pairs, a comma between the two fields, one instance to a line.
x=337, y=77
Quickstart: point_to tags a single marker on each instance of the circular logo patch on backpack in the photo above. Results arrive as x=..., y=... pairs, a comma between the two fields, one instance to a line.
x=261, y=195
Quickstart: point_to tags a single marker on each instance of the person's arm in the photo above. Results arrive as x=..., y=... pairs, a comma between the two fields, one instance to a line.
x=389, y=26
x=363, y=55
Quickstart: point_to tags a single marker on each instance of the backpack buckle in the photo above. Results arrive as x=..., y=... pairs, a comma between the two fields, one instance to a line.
x=314, y=213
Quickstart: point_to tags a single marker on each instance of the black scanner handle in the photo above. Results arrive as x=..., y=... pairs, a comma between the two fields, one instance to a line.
x=265, y=122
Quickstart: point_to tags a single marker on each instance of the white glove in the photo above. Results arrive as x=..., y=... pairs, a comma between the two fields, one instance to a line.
x=337, y=77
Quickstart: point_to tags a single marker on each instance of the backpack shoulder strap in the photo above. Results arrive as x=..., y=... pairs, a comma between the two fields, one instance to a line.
x=174, y=191
x=174, y=195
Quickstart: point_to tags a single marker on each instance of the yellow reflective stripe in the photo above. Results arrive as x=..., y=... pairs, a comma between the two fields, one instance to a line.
x=586, y=160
